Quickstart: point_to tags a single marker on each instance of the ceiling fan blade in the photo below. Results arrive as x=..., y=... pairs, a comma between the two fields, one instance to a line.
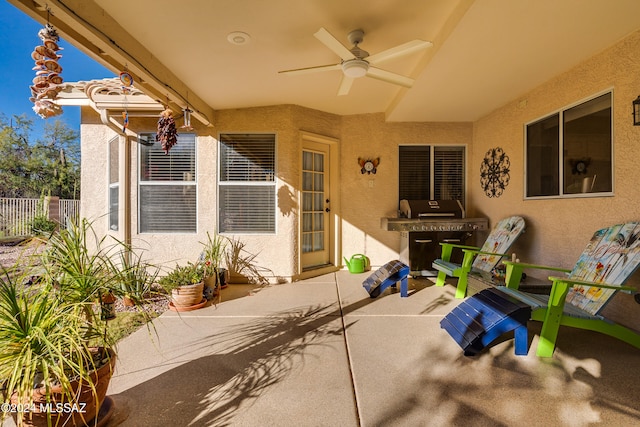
x=345, y=85
x=389, y=77
x=309, y=70
x=401, y=50
x=332, y=43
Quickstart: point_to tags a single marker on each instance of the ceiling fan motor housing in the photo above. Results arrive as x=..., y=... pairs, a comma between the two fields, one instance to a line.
x=356, y=62
x=355, y=37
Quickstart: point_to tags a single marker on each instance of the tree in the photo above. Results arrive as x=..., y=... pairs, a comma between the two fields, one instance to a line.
x=49, y=166
x=14, y=153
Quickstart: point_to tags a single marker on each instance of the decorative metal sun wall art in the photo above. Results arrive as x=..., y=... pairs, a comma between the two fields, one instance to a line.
x=494, y=172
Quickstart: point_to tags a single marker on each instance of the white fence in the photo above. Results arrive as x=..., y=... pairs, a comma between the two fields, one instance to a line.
x=17, y=215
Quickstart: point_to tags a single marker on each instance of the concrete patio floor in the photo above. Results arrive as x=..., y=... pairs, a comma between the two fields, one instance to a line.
x=320, y=352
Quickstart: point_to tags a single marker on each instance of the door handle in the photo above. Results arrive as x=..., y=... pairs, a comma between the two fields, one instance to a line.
x=327, y=210
x=423, y=240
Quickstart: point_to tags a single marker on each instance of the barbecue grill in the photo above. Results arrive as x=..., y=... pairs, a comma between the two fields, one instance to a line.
x=423, y=224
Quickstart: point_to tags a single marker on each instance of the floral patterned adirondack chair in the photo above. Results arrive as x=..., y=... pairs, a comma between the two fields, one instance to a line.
x=478, y=259
x=610, y=258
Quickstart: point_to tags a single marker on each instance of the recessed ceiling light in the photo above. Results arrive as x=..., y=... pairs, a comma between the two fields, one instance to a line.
x=238, y=37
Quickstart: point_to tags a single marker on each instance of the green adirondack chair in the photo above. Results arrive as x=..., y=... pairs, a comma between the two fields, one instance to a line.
x=576, y=300
x=480, y=260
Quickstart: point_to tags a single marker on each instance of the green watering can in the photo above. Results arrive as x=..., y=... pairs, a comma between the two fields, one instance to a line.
x=358, y=264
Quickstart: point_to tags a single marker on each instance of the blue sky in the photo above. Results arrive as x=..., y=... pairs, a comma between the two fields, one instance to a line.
x=18, y=37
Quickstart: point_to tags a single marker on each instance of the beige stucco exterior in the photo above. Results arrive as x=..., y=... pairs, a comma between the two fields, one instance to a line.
x=557, y=229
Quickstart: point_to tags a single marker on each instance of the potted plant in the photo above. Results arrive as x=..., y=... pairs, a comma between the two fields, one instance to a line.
x=134, y=275
x=56, y=357
x=186, y=284
x=212, y=256
x=241, y=264
x=53, y=369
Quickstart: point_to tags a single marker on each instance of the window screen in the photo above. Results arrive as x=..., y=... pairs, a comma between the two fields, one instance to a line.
x=246, y=188
x=167, y=186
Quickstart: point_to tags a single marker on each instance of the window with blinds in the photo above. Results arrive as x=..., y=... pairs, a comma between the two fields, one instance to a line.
x=431, y=172
x=246, y=185
x=167, y=186
x=114, y=183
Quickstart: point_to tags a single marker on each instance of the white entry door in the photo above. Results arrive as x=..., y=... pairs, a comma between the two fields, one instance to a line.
x=316, y=206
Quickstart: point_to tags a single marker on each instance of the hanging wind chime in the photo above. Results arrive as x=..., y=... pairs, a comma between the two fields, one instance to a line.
x=127, y=83
x=48, y=82
x=186, y=115
x=187, y=119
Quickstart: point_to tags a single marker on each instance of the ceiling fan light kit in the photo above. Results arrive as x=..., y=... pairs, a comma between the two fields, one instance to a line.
x=356, y=62
x=355, y=68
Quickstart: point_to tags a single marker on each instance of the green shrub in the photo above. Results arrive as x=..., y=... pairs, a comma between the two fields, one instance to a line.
x=189, y=274
x=41, y=225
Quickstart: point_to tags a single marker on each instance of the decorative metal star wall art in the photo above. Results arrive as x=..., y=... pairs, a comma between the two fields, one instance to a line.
x=494, y=172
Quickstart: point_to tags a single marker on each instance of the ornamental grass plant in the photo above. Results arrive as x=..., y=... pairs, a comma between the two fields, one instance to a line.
x=52, y=334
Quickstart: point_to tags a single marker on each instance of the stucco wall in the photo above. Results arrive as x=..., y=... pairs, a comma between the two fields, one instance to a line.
x=558, y=229
x=367, y=198
x=94, y=176
x=364, y=199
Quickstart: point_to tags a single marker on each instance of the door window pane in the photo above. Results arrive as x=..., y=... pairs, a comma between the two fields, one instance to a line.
x=313, y=198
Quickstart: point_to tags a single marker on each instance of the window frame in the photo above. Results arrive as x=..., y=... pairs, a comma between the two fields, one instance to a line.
x=432, y=148
x=560, y=112
x=113, y=222
x=168, y=183
x=220, y=184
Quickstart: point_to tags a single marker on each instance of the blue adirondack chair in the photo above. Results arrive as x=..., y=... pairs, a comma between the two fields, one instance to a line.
x=480, y=260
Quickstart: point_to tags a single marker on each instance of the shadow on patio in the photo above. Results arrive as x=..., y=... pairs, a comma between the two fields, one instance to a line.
x=329, y=355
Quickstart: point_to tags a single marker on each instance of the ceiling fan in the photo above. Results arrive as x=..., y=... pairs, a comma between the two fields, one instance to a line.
x=357, y=62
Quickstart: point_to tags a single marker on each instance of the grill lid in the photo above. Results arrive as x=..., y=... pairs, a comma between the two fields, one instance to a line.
x=431, y=209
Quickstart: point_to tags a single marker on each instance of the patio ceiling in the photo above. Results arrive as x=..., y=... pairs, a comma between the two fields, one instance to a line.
x=485, y=53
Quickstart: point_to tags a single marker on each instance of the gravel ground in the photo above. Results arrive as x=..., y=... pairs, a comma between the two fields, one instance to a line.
x=10, y=254
x=19, y=252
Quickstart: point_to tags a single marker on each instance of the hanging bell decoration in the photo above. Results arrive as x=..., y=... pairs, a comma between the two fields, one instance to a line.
x=108, y=306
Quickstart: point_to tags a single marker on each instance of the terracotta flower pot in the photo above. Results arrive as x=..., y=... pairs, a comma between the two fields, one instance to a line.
x=185, y=296
x=77, y=412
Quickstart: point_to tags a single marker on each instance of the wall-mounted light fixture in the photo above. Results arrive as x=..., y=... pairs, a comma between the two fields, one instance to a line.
x=636, y=111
